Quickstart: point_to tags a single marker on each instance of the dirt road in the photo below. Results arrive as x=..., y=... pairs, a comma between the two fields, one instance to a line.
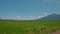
x=56, y=32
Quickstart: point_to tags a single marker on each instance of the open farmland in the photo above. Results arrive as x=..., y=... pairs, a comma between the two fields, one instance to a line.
x=28, y=26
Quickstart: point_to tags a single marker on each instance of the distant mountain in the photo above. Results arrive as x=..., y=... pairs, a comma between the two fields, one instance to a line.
x=51, y=17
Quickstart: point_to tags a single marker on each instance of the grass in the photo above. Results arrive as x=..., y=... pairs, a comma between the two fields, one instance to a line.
x=28, y=26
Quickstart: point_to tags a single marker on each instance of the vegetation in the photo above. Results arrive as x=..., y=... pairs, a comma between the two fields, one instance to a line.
x=28, y=26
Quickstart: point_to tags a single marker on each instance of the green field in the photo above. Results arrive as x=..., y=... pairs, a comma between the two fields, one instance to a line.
x=22, y=27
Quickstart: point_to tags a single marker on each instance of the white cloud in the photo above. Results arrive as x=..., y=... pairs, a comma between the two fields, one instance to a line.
x=40, y=16
x=6, y=17
x=58, y=13
x=46, y=14
x=18, y=17
x=22, y=18
x=25, y=18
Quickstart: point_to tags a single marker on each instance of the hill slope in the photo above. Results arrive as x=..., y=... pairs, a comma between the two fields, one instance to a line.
x=51, y=17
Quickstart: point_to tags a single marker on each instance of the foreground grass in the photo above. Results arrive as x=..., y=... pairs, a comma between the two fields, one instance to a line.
x=28, y=27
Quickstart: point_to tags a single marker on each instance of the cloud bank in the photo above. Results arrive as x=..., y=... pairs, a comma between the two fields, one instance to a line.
x=21, y=18
x=25, y=17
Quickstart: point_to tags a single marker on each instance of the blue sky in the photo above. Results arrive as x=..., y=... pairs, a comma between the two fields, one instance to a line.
x=28, y=9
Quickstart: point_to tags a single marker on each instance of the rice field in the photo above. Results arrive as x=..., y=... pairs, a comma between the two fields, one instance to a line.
x=28, y=26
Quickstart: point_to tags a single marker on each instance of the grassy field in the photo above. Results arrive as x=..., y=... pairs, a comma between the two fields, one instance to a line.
x=28, y=26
